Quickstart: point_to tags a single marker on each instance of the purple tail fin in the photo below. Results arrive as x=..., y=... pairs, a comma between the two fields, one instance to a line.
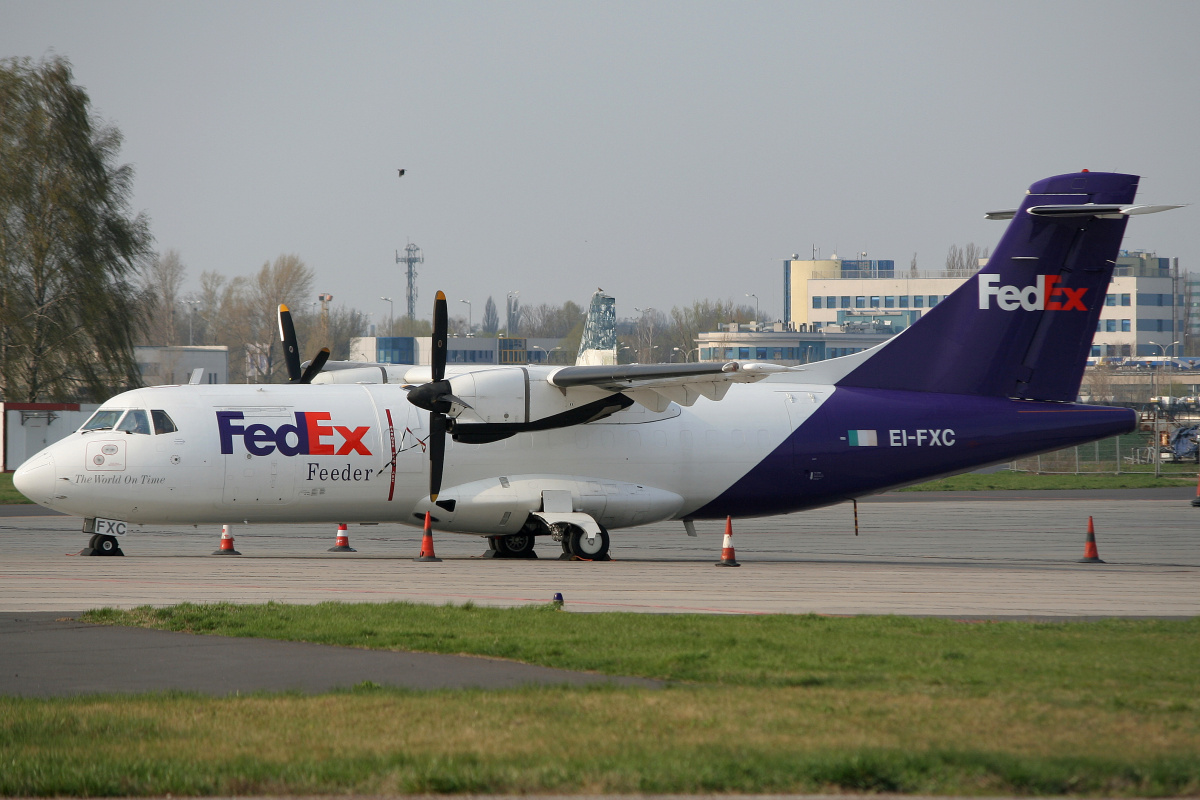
x=1022, y=327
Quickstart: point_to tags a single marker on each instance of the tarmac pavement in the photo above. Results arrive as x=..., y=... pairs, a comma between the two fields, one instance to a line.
x=994, y=555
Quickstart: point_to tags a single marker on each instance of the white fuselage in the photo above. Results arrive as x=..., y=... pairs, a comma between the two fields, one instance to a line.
x=239, y=455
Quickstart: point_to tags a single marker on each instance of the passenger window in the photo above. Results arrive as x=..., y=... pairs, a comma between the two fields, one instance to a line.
x=103, y=420
x=162, y=422
x=134, y=421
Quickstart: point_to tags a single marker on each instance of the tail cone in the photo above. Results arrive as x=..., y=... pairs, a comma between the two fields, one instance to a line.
x=427, y=542
x=727, y=557
x=1090, y=554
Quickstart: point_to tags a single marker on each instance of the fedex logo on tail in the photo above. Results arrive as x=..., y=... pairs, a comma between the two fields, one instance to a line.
x=1043, y=295
x=310, y=436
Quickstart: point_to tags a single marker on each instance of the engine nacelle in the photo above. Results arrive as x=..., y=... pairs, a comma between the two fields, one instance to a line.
x=500, y=402
x=503, y=505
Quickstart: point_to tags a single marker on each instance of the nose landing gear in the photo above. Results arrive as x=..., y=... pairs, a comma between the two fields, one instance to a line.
x=102, y=545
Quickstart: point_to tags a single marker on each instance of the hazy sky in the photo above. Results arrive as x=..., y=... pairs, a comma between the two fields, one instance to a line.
x=663, y=151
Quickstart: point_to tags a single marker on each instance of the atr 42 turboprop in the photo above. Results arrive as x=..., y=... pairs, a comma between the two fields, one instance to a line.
x=517, y=452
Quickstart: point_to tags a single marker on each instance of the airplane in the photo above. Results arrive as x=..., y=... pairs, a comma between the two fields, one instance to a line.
x=515, y=453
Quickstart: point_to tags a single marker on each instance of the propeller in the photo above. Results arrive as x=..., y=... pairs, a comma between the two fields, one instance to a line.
x=291, y=352
x=436, y=397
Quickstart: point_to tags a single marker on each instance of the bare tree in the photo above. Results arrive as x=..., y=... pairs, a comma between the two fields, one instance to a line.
x=287, y=280
x=160, y=284
x=964, y=261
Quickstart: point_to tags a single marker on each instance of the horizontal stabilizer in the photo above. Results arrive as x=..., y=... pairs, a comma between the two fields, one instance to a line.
x=1083, y=210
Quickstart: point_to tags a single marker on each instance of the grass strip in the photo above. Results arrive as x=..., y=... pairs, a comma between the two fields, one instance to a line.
x=1142, y=661
x=9, y=495
x=759, y=704
x=1030, y=481
x=683, y=739
x=1022, y=481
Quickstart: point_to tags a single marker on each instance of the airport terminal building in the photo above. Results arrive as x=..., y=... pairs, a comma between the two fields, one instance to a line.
x=1145, y=311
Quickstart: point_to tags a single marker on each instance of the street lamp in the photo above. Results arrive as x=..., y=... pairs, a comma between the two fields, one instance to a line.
x=391, y=310
x=644, y=312
x=191, y=316
x=756, y=314
x=1164, y=352
x=468, y=302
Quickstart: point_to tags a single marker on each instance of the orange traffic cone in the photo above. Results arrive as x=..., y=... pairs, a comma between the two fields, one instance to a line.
x=427, y=542
x=727, y=558
x=1090, y=554
x=342, y=543
x=226, y=548
x=1196, y=499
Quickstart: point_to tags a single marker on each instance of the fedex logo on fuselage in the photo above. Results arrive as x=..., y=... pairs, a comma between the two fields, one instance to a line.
x=1043, y=295
x=310, y=436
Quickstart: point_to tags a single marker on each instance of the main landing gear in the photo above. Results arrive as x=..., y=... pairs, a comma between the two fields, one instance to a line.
x=517, y=545
x=574, y=540
x=577, y=545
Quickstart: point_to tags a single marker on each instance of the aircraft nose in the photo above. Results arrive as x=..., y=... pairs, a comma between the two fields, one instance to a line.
x=35, y=478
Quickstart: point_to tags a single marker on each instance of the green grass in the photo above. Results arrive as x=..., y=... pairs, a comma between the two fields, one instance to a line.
x=1027, y=481
x=755, y=704
x=9, y=495
x=880, y=653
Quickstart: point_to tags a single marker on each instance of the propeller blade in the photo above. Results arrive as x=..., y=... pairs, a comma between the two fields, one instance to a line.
x=440, y=333
x=314, y=366
x=437, y=453
x=287, y=335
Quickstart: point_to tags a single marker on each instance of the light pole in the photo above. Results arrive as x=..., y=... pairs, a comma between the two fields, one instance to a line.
x=1164, y=352
x=468, y=302
x=391, y=310
x=756, y=314
x=191, y=316
x=687, y=354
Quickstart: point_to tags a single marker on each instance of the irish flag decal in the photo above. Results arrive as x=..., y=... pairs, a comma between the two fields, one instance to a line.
x=863, y=439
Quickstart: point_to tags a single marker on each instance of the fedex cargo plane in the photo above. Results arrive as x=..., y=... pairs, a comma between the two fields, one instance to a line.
x=514, y=453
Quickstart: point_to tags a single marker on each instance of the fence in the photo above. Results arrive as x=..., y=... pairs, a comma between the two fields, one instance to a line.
x=1129, y=453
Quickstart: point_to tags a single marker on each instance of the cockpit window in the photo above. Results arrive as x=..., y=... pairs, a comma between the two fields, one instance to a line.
x=162, y=422
x=103, y=420
x=134, y=421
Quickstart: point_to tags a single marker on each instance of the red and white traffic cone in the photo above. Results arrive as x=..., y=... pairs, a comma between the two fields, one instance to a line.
x=727, y=557
x=1090, y=554
x=226, y=543
x=342, y=543
x=427, y=542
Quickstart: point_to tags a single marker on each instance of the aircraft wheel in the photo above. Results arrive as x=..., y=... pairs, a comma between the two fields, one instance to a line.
x=107, y=545
x=519, y=545
x=94, y=542
x=595, y=550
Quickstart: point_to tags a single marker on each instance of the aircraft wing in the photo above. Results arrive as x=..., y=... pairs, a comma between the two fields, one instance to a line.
x=656, y=386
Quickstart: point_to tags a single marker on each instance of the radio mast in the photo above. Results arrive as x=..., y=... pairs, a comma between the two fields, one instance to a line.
x=412, y=256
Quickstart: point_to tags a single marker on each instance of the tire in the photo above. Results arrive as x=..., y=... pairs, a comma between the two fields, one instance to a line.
x=518, y=545
x=596, y=550
x=107, y=545
x=94, y=542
